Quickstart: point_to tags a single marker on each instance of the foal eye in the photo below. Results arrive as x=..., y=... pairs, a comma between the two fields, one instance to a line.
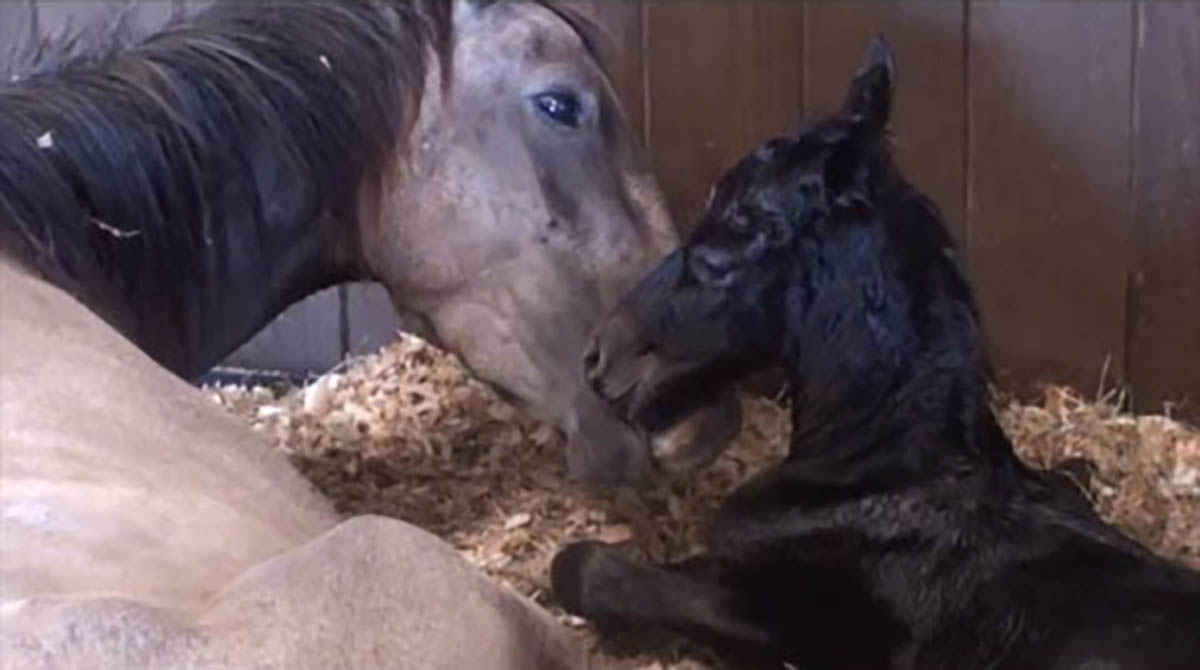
x=712, y=266
x=562, y=108
x=740, y=220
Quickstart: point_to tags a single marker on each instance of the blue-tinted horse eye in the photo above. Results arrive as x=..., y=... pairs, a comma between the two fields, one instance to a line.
x=562, y=108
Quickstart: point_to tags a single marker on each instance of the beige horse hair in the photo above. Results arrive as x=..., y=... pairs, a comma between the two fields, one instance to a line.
x=142, y=527
x=145, y=528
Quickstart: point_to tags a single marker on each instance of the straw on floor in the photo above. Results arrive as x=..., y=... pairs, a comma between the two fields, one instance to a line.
x=407, y=432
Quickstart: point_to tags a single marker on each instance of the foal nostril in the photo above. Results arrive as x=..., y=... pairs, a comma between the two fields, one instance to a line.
x=593, y=361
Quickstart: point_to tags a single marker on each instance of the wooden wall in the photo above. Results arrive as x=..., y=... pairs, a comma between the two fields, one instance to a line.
x=1060, y=139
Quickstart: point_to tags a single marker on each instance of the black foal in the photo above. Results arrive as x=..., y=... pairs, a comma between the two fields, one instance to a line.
x=901, y=531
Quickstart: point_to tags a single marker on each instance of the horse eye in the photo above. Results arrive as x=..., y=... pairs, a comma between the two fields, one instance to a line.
x=739, y=220
x=562, y=108
x=712, y=266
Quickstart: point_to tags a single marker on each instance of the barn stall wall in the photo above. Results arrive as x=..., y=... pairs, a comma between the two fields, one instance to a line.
x=1060, y=139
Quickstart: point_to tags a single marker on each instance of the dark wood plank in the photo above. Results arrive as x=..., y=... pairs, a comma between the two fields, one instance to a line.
x=621, y=25
x=67, y=16
x=722, y=77
x=930, y=109
x=191, y=7
x=373, y=322
x=306, y=338
x=1049, y=204
x=98, y=17
x=149, y=16
x=16, y=36
x=1164, y=347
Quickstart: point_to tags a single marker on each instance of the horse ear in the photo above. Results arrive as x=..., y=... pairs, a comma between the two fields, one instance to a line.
x=869, y=101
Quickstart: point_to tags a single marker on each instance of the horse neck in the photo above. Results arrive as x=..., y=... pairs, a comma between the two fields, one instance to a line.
x=900, y=407
x=190, y=276
x=912, y=426
x=190, y=189
x=190, y=312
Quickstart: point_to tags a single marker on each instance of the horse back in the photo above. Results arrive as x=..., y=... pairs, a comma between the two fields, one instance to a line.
x=119, y=478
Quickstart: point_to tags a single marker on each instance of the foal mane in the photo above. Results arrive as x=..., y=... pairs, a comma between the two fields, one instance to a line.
x=123, y=165
x=917, y=230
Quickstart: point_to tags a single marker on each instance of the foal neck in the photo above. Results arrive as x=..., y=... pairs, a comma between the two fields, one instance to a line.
x=900, y=427
x=886, y=370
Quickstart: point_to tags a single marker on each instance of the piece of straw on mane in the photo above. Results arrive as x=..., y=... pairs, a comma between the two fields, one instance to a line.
x=408, y=432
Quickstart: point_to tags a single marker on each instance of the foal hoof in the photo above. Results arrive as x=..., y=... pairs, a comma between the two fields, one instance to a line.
x=569, y=575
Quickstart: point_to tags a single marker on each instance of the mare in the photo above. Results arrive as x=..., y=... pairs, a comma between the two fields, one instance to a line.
x=161, y=200
x=470, y=156
x=901, y=530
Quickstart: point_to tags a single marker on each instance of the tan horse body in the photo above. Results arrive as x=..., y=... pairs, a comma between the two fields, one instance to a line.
x=160, y=532
x=143, y=527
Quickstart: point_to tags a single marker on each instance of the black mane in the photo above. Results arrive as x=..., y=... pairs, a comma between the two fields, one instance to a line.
x=120, y=165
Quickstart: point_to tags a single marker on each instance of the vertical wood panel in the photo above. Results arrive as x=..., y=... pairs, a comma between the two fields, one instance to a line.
x=1049, y=203
x=722, y=77
x=128, y=20
x=16, y=35
x=149, y=16
x=1164, y=355
x=65, y=16
x=372, y=321
x=622, y=24
x=192, y=7
x=930, y=107
x=306, y=337
x=145, y=15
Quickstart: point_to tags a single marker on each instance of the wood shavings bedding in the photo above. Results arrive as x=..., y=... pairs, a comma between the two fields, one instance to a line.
x=407, y=432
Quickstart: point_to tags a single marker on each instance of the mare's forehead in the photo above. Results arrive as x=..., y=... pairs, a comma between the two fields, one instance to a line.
x=531, y=31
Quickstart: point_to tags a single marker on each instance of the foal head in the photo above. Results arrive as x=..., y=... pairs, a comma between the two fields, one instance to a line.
x=813, y=252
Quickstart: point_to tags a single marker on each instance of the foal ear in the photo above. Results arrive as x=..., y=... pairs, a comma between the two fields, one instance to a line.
x=870, y=98
x=868, y=106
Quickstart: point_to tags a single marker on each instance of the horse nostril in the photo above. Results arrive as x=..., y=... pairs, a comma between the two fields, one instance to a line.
x=593, y=359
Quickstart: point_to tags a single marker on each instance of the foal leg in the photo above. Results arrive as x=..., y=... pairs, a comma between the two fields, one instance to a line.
x=597, y=582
